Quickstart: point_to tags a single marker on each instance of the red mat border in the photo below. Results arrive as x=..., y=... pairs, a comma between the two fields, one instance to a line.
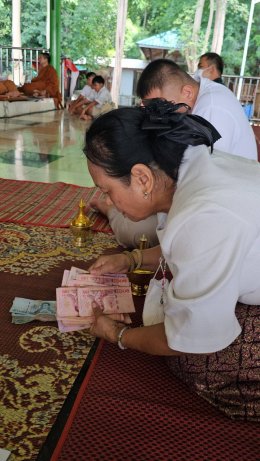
x=74, y=409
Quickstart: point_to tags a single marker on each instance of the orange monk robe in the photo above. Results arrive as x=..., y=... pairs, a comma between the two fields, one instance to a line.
x=47, y=80
x=6, y=86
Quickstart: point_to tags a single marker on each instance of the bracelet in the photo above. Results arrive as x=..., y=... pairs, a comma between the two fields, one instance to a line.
x=120, y=334
x=131, y=261
x=139, y=257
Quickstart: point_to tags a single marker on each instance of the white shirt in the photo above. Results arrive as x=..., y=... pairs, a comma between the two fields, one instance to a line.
x=88, y=93
x=102, y=96
x=217, y=104
x=211, y=242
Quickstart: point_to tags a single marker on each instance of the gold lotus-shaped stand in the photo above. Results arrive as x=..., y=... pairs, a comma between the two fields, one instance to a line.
x=80, y=226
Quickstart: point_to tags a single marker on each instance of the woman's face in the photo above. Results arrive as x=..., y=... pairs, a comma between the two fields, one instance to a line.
x=128, y=199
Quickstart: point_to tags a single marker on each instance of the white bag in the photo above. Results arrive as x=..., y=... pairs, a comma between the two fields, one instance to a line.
x=153, y=311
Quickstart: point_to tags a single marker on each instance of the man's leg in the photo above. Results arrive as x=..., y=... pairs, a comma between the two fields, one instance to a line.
x=30, y=88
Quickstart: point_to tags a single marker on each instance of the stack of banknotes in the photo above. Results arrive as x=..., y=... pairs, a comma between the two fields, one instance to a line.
x=81, y=292
x=26, y=310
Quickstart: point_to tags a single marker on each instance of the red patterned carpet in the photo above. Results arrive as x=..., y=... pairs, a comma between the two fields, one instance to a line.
x=46, y=204
x=131, y=408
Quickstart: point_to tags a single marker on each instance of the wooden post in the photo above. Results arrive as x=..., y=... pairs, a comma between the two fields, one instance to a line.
x=120, y=36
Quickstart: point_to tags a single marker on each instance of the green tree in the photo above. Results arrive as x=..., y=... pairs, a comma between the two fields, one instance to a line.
x=33, y=23
x=180, y=14
x=88, y=29
x=5, y=22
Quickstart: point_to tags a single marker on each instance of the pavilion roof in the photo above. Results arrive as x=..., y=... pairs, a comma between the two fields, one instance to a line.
x=165, y=40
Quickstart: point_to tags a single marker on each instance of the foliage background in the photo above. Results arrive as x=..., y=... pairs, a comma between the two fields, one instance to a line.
x=88, y=28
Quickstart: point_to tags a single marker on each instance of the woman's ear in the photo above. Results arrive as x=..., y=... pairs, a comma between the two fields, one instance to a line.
x=142, y=177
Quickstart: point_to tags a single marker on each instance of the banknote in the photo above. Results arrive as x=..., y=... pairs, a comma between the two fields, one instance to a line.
x=67, y=302
x=77, y=276
x=74, y=302
x=106, y=280
x=26, y=306
x=66, y=328
x=65, y=278
x=25, y=310
x=81, y=292
x=111, y=300
x=20, y=319
x=4, y=454
x=125, y=318
x=73, y=274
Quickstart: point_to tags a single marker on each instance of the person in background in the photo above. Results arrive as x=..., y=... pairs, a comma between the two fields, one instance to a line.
x=102, y=101
x=8, y=89
x=163, y=78
x=46, y=84
x=71, y=74
x=85, y=97
x=210, y=66
x=154, y=160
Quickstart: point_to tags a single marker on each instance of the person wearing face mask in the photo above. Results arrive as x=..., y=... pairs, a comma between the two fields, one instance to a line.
x=210, y=66
x=163, y=78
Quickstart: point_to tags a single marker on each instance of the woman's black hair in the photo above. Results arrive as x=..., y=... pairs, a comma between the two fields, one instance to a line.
x=154, y=135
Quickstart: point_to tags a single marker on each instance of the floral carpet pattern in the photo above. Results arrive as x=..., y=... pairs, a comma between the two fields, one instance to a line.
x=38, y=363
x=35, y=250
x=32, y=394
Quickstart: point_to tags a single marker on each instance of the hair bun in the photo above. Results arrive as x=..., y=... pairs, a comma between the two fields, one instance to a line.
x=180, y=127
x=159, y=113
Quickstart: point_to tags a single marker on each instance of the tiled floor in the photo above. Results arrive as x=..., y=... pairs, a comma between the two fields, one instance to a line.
x=44, y=147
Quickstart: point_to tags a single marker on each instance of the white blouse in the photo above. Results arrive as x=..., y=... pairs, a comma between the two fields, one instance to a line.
x=211, y=242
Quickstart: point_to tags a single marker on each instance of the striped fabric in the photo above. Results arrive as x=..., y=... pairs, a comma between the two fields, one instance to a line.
x=46, y=204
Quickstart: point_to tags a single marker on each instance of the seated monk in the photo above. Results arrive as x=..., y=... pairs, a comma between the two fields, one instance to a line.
x=46, y=84
x=9, y=89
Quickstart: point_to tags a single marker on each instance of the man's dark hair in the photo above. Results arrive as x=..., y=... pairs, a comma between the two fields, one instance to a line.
x=157, y=74
x=98, y=79
x=46, y=56
x=90, y=74
x=214, y=58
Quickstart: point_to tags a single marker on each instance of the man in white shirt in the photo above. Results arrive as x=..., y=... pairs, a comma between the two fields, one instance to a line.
x=101, y=103
x=85, y=97
x=210, y=66
x=163, y=78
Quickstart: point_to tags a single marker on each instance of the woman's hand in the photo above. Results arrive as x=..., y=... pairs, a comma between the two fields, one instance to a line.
x=114, y=264
x=104, y=327
x=102, y=204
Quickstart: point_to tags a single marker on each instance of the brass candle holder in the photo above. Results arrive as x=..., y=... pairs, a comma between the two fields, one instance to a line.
x=80, y=226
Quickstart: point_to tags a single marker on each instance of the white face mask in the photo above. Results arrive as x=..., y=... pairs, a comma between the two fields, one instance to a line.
x=199, y=73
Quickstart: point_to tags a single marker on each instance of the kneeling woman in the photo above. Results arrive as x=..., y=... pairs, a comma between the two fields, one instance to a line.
x=156, y=160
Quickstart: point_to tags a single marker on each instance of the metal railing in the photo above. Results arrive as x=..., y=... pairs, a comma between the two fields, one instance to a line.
x=19, y=64
x=250, y=93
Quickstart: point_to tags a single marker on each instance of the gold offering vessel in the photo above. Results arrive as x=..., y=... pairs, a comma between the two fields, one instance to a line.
x=140, y=278
x=80, y=226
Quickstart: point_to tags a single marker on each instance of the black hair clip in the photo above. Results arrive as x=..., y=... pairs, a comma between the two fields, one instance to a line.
x=160, y=113
x=178, y=126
